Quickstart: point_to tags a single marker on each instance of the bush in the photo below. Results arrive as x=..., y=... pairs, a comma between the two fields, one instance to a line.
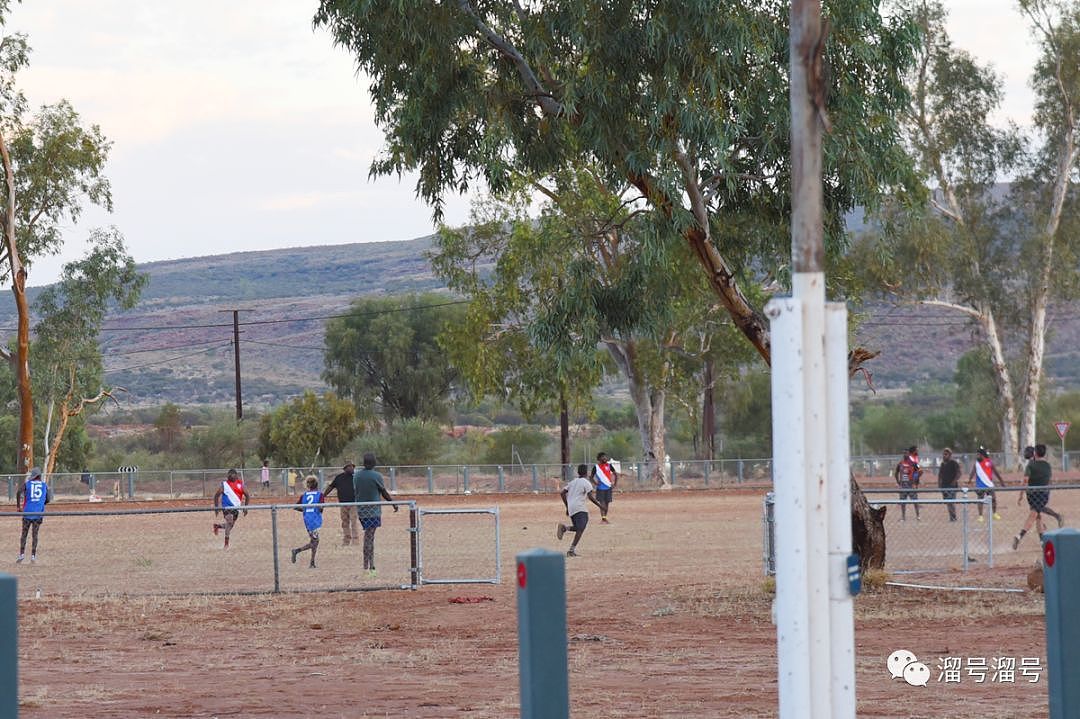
x=510, y=445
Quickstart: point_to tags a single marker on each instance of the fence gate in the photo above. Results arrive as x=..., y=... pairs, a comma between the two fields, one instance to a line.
x=459, y=546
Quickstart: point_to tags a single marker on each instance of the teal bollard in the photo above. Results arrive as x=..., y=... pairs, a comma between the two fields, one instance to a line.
x=9, y=648
x=542, y=652
x=1061, y=582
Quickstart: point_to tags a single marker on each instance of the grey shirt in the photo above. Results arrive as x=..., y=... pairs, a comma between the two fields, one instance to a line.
x=367, y=483
x=577, y=495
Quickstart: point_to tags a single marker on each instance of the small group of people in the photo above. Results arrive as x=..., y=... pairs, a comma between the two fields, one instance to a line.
x=986, y=477
x=351, y=485
x=594, y=485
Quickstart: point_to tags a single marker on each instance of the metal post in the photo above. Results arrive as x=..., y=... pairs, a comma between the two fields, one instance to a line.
x=542, y=650
x=535, y=480
x=1061, y=582
x=9, y=647
x=131, y=484
x=465, y=478
x=739, y=470
x=671, y=472
x=989, y=502
x=639, y=472
x=393, y=479
x=430, y=481
x=964, y=529
x=274, y=540
x=414, y=541
x=502, y=479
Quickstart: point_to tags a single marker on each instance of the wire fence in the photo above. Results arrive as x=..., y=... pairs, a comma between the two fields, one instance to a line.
x=174, y=551
x=935, y=529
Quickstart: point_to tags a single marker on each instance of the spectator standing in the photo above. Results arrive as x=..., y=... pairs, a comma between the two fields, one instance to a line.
x=368, y=487
x=343, y=485
x=983, y=472
x=574, y=496
x=948, y=477
x=31, y=499
x=606, y=479
x=907, y=475
x=228, y=499
x=1037, y=473
x=309, y=502
x=264, y=476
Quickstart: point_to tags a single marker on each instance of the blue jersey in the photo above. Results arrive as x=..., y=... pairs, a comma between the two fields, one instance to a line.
x=312, y=514
x=35, y=495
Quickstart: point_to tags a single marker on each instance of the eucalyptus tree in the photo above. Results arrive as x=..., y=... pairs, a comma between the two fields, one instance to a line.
x=65, y=355
x=384, y=355
x=307, y=429
x=52, y=163
x=990, y=254
x=685, y=101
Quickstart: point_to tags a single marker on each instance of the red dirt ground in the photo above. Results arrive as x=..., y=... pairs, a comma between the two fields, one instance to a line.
x=668, y=616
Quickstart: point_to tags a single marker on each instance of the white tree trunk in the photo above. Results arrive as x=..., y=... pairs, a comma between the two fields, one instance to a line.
x=1003, y=380
x=648, y=407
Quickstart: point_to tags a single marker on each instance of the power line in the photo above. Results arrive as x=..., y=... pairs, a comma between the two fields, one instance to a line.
x=170, y=359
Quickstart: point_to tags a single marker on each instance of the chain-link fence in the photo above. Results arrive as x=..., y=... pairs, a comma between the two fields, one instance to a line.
x=174, y=551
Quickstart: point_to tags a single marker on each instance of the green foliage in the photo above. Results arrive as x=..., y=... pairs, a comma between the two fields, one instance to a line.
x=516, y=444
x=308, y=431
x=407, y=443
x=384, y=355
x=888, y=429
x=219, y=445
x=744, y=406
x=169, y=425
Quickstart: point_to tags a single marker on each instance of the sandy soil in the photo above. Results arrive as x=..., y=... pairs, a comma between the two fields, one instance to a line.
x=668, y=616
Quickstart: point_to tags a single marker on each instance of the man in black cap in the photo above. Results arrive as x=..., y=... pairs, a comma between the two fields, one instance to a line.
x=31, y=500
x=343, y=485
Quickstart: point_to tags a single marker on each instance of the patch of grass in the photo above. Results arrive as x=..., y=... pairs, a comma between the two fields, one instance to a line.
x=873, y=580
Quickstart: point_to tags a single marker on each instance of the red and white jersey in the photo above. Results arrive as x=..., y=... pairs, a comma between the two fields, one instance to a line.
x=605, y=476
x=232, y=492
x=984, y=472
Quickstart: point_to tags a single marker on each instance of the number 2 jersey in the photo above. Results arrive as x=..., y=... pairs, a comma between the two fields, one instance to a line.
x=312, y=514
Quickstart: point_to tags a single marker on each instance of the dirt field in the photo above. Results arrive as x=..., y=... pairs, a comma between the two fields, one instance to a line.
x=668, y=617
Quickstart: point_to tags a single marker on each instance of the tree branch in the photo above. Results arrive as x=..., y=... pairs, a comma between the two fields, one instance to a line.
x=970, y=311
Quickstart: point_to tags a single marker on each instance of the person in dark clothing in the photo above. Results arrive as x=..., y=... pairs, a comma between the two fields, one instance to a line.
x=1037, y=473
x=343, y=485
x=369, y=487
x=948, y=477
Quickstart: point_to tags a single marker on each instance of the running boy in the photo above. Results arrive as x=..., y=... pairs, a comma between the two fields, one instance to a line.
x=1037, y=473
x=573, y=497
x=227, y=500
x=984, y=472
x=606, y=479
x=312, y=517
x=31, y=500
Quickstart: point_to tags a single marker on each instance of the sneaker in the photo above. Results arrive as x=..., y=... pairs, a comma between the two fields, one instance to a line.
x=216, y=528
x=1016, y=542
x=560, y=531
x=33, y=559
x=571, y=553
x=20, y=558
x=294, y=553
x=605, y=520
x=311, y=566
x=997, y=516
x=371, y=573
x=981, y=518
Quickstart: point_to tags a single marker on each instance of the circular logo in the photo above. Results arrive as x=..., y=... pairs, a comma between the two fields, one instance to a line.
x=521, y=574
x=1048, y=553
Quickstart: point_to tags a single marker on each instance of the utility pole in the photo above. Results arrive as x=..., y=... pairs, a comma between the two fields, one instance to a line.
x=814, y=607
x=236, y=361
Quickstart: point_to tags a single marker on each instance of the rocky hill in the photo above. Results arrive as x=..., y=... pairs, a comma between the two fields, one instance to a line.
x=177, y=344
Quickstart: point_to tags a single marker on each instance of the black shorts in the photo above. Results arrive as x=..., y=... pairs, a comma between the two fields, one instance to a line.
x=980, y=493
x=29, y=522
x=604, y=495
x=234, y=513
x=908, y=492
x=1038, y=499
x=579, y=520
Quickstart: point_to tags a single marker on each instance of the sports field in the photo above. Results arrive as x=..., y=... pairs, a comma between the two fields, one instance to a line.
x=669, y=616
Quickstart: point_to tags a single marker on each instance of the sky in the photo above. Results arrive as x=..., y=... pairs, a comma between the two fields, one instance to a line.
x=236, y=126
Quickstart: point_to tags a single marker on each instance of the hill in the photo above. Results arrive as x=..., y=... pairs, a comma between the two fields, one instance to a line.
x=177, y=344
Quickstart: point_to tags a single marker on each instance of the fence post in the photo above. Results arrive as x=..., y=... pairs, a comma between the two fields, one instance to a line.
x=671, y=472
x=964, y=528
x=11, y=488
x=535, y=479
x=542, y=651
x=465, y=478
x=414, y=546
x=274, y=540
x=639, y=472
x=393, y=479
x=739, y=466
x=502, y=479
x=430, y=481
x=989, y=507
x=9, y=647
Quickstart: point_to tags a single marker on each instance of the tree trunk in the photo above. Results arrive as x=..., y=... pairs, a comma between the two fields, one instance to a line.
x=708, y=414
x=22, y=341
x=1003, y=380
x=648, y=408
x=867, y=530
x=564, y=438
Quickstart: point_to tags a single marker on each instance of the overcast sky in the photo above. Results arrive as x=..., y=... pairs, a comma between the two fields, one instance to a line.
x=237, y=127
